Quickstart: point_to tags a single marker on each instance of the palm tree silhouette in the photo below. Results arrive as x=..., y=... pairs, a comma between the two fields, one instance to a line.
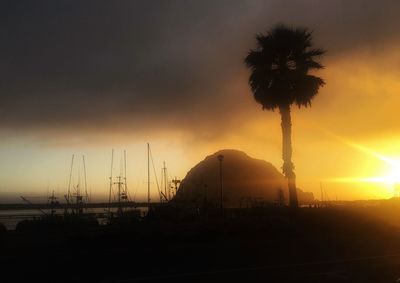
x=280, y=67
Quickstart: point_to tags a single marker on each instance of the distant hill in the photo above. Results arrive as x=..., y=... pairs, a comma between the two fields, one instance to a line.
x=246, y=181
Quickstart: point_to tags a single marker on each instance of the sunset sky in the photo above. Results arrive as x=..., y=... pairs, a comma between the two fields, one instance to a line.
x=83, y=77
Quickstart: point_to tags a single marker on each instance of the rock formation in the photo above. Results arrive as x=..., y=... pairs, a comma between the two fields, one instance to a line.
x=246, y=182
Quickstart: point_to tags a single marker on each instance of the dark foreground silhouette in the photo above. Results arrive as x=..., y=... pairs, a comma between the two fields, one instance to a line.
x=252, y=245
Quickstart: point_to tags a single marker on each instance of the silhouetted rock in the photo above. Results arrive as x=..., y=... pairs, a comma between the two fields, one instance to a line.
x=246, y=182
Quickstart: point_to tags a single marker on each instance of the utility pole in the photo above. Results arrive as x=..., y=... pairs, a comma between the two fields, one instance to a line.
x=221, y=158
x=125, y=181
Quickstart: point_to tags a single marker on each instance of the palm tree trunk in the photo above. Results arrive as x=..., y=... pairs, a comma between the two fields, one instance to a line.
x=288, y=166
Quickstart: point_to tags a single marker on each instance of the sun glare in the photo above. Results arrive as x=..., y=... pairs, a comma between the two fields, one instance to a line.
x=388, y=176
x=393, y=176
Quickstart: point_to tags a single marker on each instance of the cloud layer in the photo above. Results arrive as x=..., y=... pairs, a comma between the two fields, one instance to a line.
x=143, y=66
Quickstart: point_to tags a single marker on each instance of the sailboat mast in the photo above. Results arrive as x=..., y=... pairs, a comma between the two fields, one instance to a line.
x=148, y=174
x=165, y=182
x=119, y=194
x=84, y=173
x=70, y=176
x=109, y=194
x=68, y=196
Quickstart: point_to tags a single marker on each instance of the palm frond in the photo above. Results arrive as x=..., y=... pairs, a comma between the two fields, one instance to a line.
x=306, y=89
x=280, y=65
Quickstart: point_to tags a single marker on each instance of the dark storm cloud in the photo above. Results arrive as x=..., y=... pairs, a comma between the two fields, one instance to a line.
x=152, y=63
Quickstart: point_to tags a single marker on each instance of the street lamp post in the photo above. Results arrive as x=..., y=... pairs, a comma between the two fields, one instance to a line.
x=221, y=158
